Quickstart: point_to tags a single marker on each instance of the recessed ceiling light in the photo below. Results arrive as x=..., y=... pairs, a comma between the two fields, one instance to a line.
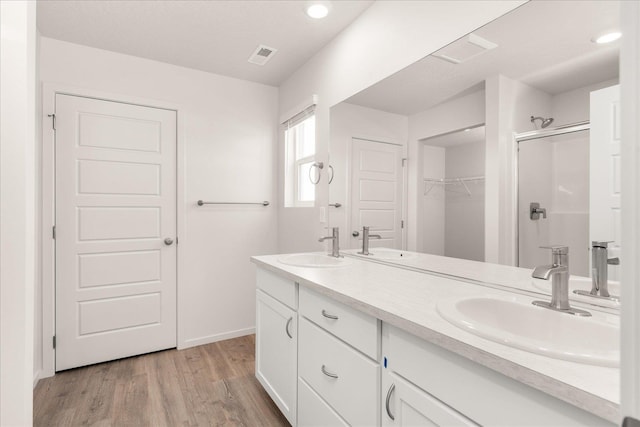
x=317, y=11
x=607, y=38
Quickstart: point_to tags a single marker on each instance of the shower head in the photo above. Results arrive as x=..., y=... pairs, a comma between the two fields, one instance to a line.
x=544, y=122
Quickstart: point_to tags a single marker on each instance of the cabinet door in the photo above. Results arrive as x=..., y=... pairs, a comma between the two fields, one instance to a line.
x=404, y=404
x=276, y=352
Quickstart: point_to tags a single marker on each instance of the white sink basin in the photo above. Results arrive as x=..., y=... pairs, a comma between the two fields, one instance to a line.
x=314, y=260
x=515, y=322
x=390, y=254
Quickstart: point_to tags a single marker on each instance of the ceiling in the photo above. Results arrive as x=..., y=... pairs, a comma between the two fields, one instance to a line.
x=545, y=44
x=213, y=36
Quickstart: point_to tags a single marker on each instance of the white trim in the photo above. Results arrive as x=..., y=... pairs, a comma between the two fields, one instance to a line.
x=630, y=177
x=36, y=377
x=49, y=91
x=193, y=342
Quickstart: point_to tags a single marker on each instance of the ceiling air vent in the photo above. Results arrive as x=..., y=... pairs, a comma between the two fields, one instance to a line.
x=262, y=54
x=464, y=49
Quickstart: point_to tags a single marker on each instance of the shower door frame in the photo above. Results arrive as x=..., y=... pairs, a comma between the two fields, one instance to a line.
x=528, y=136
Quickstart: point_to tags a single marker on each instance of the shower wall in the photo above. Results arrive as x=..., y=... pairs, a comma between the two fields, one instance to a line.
x=555, y=173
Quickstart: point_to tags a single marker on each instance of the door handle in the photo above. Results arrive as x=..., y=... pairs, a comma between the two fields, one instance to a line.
x=168, y=241
x=329, y=374
x=286, y=327
x=389, y=393
x=355, y=233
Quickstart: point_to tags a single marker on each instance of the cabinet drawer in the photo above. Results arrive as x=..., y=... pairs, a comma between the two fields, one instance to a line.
x=347, y=380
x=481, y=394
x=282, y=289
x=356, y=328
x=313, y=411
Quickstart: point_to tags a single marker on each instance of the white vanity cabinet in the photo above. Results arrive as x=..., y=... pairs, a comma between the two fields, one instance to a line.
x=405, y=405
x=433, y=386
x=277, y=340
x=338, y=369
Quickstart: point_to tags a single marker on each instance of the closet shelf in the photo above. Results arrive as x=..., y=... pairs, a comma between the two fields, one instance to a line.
x=430, y=183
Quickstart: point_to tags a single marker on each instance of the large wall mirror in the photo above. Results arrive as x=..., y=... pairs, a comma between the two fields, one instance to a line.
x=430, y=159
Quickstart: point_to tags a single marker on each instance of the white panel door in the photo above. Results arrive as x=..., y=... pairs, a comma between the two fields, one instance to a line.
x=376, y=192
x=604, y=154
x=115, y=206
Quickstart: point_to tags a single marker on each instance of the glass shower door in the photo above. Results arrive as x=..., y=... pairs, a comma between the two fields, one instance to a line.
x=553, y=199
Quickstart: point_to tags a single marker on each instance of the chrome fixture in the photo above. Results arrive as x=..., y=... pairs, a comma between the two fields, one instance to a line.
x=559, y=273
x=335, y=236
x=201, y=203
x=600, y=272
x=543, y=122
x=335, y=205
x=319, y=166
x=535, y=211
x=365, y=240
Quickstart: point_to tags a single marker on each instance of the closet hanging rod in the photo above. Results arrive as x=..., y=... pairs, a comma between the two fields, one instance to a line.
x=265, y=203
x=454, y=180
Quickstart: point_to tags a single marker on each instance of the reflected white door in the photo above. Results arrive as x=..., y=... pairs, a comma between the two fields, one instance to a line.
x=376, y=192
x=604, y=154
x=115, y=206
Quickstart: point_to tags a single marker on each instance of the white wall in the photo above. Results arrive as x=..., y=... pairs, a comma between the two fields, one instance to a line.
x=17, y=210
x=509, y=107
x=464, y=213
x=228, y=127
x=460, y=113
x=353, y=121
x=387, y=37
x=433, y=203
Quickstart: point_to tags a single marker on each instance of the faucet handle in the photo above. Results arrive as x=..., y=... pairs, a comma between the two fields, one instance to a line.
x=557, y=249
x=600, y=244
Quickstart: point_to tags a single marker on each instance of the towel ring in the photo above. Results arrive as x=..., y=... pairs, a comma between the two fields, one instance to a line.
x=318, y=165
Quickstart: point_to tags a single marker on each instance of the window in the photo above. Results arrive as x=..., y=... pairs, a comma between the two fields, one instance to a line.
x=300, y=150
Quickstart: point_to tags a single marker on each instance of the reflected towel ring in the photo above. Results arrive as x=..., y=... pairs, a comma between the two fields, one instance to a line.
x=318, y=165
x=331, y=179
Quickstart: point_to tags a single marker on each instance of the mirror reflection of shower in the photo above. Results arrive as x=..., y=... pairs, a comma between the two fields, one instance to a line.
x=543, y=122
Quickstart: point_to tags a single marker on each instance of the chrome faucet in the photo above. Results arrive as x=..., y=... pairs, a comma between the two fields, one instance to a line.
x=335, y=236
x=558, y=271
x=600, y=271
x=365, y=240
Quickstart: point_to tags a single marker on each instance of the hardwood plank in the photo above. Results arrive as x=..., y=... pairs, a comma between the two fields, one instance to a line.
x=212, y=384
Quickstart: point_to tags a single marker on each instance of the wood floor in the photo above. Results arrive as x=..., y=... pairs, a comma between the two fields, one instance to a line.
x=212, y=384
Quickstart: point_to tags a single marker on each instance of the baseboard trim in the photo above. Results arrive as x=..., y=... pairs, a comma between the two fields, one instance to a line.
x=36, y=377
x=193, y=342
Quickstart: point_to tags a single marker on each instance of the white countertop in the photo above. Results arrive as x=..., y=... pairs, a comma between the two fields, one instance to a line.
x=407, y=299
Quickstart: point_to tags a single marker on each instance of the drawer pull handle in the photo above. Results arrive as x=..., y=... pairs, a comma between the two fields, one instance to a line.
x=327, y=373
x=286, y=328
x=329, y=316
x=389, y=393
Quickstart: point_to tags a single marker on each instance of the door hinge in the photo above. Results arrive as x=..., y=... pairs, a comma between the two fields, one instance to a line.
x=402, y=223
x=176, y=240
x=54, y=342
x=404, y=162
x=54, y=232
x=53, y=120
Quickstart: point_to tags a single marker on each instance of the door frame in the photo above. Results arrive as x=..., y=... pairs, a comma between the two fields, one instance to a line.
x=404, y=192
x=47, y=198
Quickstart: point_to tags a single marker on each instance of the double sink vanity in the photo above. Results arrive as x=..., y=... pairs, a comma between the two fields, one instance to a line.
x=404, y=338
